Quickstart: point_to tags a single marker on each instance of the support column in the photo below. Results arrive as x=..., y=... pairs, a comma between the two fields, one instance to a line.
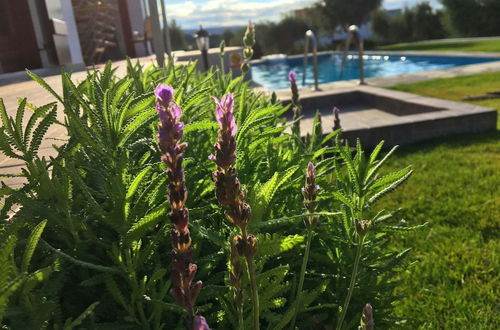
x=159, y=47
x=73, y=39
x=166, y=30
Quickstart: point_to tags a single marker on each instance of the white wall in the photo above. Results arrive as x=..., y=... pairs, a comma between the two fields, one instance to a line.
x=74, y=41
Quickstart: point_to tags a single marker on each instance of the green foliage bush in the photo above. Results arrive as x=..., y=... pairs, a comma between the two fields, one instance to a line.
x=420, y=22
x=89, y=246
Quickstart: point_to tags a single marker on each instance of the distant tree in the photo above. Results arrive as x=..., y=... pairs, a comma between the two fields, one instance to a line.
x=228, y=36
x=176, y=36
x=382, y=25
x=342, y=13
x=417, y=23
x=473, y=17
x=427, y=23
x=288, y=33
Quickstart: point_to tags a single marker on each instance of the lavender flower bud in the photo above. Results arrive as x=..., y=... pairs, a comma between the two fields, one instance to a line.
x=310, y=189
x=199, y=323
x=367, y=322
x=362, y=226
x=310, y=192
x=250, y=247
x=296, y=106
x=235, y=270
x=249, y=42
x=249, y=38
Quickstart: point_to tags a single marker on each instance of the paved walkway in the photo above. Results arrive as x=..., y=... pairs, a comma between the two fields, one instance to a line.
x=10, y=93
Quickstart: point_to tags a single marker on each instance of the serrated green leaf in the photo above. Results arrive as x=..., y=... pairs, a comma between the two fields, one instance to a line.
x=32, y=244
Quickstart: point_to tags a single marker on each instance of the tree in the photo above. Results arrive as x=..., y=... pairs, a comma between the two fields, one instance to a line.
x=287, y=33
x=382, y=25
x=347, y=12
x=473, y=17
x=228, y=36
x=427, y=23
x=176, y=36
x=418, y=23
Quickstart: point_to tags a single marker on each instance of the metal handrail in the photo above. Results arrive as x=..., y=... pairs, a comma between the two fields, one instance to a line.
x=353, y=32
x=311, y=36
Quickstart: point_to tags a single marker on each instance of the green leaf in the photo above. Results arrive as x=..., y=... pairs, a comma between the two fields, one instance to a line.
x=41, y=130
x=388, y=189
x=344, y=199
x=32, y=244
x=133, y=187
x=271, y=245
x=266, y=192
x=138, y=105
x=20, y=117
x=42, y=83
x=200, y=126
x=141, y=227
x=140, y=121
x=86, y=313
x=82, y=263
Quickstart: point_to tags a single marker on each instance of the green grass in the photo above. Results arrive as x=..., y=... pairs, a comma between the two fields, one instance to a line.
x=456, y=189
x=456, y=88
x=458, y=46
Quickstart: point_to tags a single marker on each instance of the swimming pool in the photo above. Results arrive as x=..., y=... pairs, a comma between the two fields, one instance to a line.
x=273, y=74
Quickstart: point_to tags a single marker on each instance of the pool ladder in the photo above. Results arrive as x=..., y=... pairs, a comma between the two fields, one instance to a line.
x=312, y=37
x=354, y=33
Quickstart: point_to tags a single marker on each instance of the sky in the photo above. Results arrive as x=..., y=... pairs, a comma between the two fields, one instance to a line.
x=192, y=13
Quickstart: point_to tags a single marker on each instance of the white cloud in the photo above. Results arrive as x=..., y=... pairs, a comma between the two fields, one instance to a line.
x=190, y=14
x=230, y=12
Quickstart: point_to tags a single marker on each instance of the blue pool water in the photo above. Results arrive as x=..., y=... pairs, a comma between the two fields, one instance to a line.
x=273, y=74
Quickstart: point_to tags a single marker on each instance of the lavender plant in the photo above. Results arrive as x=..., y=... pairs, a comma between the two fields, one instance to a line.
x=103, y=198
x=310, y=192
x=248, y=42
x=229, y=193
x=183, y=271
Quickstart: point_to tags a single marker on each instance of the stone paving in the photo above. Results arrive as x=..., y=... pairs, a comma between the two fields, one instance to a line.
x=373, y=114
x=39, y=96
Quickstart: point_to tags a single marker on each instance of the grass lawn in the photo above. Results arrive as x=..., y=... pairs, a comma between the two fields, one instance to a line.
x=456, y=189
x=459, y=46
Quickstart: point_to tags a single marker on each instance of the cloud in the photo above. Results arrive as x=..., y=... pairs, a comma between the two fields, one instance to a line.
x=190, y=14
x=230, y=12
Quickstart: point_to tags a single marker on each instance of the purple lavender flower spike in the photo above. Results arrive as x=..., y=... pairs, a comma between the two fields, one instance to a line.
x=310, y=192
x=170, y=133
x=292, y=76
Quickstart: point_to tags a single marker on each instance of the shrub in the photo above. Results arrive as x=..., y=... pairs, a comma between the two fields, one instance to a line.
x=103, y=256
